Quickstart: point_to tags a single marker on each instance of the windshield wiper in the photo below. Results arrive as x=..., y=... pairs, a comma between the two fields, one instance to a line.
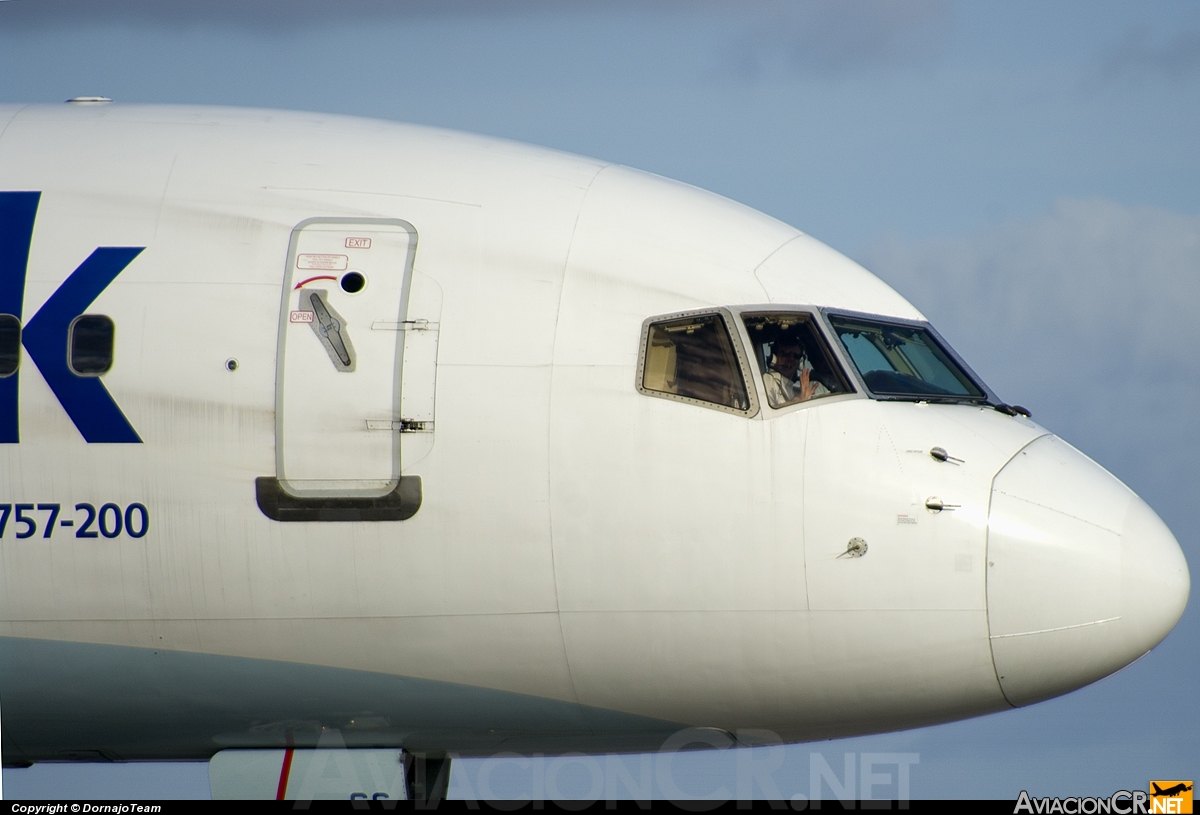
x=939, y=398
x=942, y=399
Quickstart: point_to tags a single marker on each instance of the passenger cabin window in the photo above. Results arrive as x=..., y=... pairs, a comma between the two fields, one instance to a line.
x=90, y=345
x=900, y=361
x=10, y=344
x=795, y=363
x=694, y=359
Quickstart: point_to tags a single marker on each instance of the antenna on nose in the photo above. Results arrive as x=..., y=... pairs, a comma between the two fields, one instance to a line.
x=940, y=454
x=856, y=548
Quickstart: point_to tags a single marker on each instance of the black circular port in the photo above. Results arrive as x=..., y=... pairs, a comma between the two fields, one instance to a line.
x=353, y=282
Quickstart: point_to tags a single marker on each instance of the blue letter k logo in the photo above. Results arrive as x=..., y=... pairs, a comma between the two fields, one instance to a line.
x=84, y=398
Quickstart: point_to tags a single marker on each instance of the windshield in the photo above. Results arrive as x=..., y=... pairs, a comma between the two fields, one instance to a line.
x=901, y=360
x=793, y=358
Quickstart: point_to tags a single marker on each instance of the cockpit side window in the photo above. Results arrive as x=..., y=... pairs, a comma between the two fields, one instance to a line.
x=693, y=359
x=903, y=361
x=795, y=363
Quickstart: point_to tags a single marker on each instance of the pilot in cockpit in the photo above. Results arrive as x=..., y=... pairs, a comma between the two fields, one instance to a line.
x=789, y=378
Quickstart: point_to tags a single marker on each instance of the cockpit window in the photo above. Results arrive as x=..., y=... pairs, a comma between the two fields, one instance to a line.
x=794, y=361
x=693, y=358
x=901, y=360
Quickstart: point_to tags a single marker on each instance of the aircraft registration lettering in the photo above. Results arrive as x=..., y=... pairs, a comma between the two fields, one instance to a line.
x=109, y=521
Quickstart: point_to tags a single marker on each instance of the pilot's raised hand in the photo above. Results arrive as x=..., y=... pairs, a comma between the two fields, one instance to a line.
x=807, y=387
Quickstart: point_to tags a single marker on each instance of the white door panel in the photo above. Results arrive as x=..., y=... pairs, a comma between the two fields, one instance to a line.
x=338, y=386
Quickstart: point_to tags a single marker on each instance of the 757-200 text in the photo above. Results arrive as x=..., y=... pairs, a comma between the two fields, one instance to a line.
x=109, y=521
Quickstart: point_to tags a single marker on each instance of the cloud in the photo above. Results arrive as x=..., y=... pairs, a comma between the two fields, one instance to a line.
x=1090, y=316
x=1079, y=271
x=834, y=37
x=1139, y=55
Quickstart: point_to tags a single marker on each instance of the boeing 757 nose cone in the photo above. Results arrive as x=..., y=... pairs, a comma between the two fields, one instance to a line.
x=1083, y=577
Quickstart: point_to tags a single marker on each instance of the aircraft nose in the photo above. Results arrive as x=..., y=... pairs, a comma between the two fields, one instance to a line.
x=1083, y=577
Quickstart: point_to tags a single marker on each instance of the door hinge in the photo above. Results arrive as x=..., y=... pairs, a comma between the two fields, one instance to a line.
x=402, y=426
x=404, y=325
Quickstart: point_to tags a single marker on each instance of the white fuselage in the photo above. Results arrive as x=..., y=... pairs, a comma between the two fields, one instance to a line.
x=585, y=567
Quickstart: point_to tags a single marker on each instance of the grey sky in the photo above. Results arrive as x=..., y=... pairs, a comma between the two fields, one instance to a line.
x=1025, y=172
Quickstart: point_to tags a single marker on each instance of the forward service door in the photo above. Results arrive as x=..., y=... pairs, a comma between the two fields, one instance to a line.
x=338, y=374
